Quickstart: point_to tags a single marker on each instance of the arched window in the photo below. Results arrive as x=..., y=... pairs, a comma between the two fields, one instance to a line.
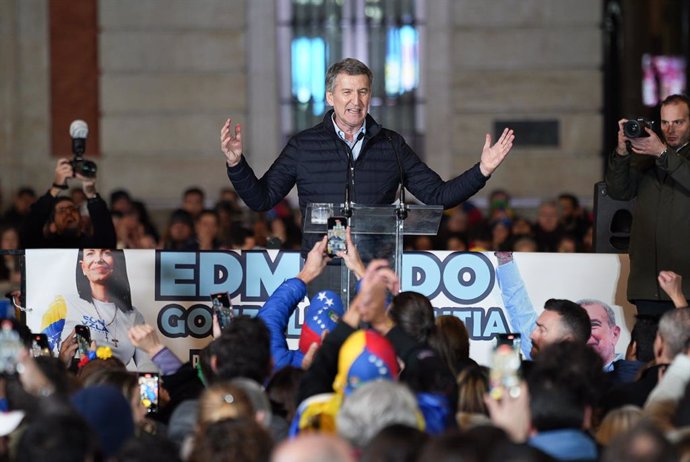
x=385, y=34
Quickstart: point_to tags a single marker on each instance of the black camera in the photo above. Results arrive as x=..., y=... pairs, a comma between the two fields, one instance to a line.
x=83, y=166
x=635, y=128
x=78, y=130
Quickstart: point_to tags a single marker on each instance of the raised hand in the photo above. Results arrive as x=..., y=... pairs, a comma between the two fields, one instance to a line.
x=315, y=263
x=492, y=156
x=88, y=185
x=351, y=258
x=144, y=337
x=68, y=348
x=648, y=145
x=672, y=284
x=231, y=142
x=371, y=299
x=512, y=414
x=622, y=147
x=63, y=170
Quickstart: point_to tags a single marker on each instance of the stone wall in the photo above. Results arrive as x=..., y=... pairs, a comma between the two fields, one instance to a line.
x=173, y=70
x=529, y=60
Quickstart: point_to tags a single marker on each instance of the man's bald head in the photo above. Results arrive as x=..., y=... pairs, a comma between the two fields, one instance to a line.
x=314, y=447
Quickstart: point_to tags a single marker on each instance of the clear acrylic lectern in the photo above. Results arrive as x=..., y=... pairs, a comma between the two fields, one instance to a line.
x=377, y=231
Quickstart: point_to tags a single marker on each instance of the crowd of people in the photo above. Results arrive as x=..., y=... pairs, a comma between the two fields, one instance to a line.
x=68, y=218
x=382, y=381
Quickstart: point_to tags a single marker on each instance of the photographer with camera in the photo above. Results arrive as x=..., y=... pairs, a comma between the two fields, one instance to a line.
x=55, y=222
x=657, y=173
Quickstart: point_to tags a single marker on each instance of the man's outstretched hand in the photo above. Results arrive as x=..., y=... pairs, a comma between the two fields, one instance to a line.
x=492, y=156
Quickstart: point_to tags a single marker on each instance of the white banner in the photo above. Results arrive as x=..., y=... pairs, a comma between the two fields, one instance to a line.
x=171, y=289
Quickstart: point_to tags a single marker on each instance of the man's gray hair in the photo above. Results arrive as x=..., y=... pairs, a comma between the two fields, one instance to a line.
x=374, y=406
x=349, y=66
x=674, y=330
x=609, y=311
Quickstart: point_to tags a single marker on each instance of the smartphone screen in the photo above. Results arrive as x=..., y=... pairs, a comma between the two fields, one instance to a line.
x=504, y=376
x=11, y=346
x=39, y=345
x=511, y=339
x=149, y=384
x=83, y=337
x=222, y=308
x=337, y=228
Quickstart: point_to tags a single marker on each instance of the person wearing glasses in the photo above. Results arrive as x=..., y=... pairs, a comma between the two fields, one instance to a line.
x=55, y=222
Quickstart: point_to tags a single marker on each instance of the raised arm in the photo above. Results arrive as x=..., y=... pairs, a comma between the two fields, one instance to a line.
x=493, y=155
x=427, y=185
x=282, y=303
x=672, y=284
x=521, y=313
x=231, y=142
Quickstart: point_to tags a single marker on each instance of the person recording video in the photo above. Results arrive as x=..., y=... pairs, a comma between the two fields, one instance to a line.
x=656, y=172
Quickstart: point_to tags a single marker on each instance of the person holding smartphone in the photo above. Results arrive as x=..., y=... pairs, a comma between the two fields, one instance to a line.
x=103, y=304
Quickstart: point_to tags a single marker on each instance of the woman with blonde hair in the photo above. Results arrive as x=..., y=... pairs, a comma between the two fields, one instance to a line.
x=473, y=384
x=220, y=401
x=617, y=421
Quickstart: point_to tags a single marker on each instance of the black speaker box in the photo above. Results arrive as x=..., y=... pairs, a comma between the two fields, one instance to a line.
x=612, y=222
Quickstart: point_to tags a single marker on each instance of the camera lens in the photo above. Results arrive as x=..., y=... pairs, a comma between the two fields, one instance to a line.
x=632, y=129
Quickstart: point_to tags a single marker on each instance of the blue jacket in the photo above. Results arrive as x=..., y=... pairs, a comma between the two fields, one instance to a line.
x=566, y=444
x=276, y=314
x=316, y=161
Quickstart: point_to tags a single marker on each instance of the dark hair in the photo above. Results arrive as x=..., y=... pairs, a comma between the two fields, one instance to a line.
x=282, y=391
x=204, y=368
x=211, y=212
x=238, y=236
x=58, y=200
x=676, y=99
x=149, y=448
x=117, y=284
x=349, y=66
x=574, y=201
x=181, y=216
x=643, y=334
x=452, y=341
x=98, y=365
x=573, y=317
x=395, y=443
x=414, y=314
x=55, y=371
x=232, y=440
x=194, y=190
x=507, y=451
x=26, y=191
x=59, y=437
x=564, y=380
x=243, y=350
x=125, y=381
x=119, y=194
x=451, y=446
